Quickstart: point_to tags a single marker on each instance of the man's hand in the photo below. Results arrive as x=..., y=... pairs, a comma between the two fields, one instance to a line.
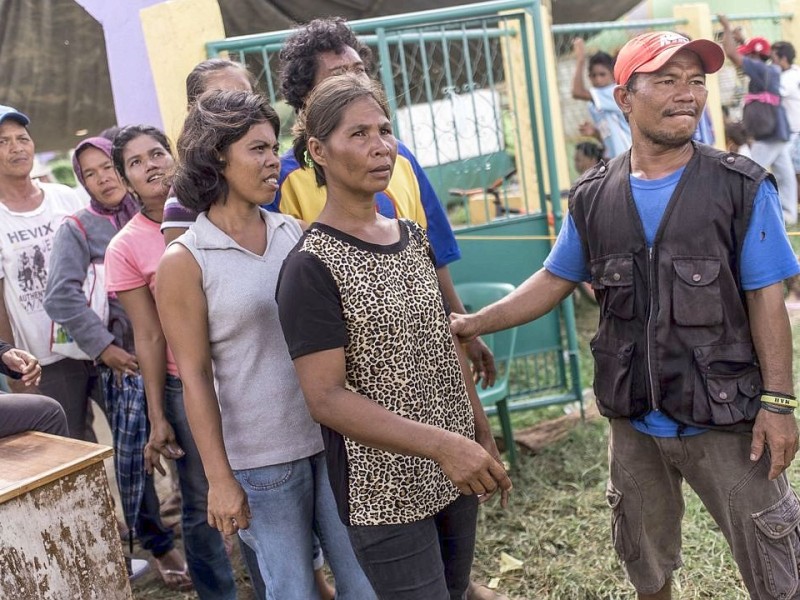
x=780, y=433
x=228, y=509
x=120, y=361
x=588, y=129
x=482, y=360
x=27, y=365
x=161, y=443
x=723, y=20
x=464, y=326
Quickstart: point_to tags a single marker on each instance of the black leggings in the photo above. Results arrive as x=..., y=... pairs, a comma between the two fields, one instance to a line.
x=429, y=559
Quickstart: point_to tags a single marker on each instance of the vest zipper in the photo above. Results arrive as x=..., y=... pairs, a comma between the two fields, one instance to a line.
x=648, y=338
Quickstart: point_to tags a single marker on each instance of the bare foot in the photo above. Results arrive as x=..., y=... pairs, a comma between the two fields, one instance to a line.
x=477, y=591
x=325, y=589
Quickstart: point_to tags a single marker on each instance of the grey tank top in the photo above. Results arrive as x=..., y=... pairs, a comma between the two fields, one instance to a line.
x=265, y=420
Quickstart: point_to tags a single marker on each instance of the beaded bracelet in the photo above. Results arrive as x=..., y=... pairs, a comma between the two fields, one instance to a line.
x=780, y=410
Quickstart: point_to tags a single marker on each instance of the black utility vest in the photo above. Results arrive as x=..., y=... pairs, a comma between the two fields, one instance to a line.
x=674, y=333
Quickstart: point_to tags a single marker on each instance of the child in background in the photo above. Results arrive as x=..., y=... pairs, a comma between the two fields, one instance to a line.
x=736, y=139
x=611, y=127
x=588, y=152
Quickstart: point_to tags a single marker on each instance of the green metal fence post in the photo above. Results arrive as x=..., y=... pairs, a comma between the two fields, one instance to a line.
x=387, y=77
x=555, y=194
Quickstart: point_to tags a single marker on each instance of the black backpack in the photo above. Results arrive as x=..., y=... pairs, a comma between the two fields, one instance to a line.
x=760, y=119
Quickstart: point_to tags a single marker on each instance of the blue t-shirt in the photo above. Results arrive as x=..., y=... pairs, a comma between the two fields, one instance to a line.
x=409, y=195
x=767, y=258
x=608, y=119
x=704, y=133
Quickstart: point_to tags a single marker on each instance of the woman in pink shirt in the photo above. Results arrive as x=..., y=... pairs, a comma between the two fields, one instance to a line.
x=82, y=240
x=143, y=157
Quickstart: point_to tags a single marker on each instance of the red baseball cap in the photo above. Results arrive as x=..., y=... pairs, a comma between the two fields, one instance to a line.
x=649, y=52
x=756, y=45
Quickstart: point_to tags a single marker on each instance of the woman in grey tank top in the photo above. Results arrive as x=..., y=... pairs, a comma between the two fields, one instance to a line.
x=261, y=450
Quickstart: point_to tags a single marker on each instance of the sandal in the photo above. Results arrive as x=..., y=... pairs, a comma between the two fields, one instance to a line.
x=174, y=579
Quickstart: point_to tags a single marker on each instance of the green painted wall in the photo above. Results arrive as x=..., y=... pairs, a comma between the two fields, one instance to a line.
x=509, y=251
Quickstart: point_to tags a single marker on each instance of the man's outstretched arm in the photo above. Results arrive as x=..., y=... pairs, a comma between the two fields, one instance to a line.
x=536, y=296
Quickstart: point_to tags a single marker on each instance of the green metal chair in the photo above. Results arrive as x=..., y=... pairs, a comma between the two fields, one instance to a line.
x=495, y=399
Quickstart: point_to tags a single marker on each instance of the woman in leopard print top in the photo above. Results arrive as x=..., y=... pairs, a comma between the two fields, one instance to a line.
x=408, y=445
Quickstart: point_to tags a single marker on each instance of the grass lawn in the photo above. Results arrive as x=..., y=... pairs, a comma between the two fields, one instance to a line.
x=558, y=523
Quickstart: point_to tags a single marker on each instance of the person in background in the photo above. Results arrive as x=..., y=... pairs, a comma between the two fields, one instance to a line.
x=704, y=134
x=80, y=241
x=765, y=83
x=32, y=412
x=42, y=172
x=736, y=139
x=27, y=412
x=30, y=213
x=588, y=152
x=783, y=55
x=408, y=445
x=693, y=353
x=610, y=125
x=142, y=156
x=212, y=74
x=216, y=300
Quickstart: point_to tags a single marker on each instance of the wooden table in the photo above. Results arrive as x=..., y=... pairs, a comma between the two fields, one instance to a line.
x=58, y=535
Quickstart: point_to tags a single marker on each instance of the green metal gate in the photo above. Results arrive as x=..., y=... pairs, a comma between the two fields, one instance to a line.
x=468, y=88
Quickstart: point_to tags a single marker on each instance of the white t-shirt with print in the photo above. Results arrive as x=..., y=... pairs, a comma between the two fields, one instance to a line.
x=790, y=96
x=26, y=240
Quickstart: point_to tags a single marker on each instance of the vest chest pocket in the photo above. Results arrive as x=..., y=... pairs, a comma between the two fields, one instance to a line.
x=612, y=277
x=696, y=298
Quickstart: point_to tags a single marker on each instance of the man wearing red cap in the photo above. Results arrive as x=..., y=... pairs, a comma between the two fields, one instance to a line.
x=771, y=151
x=686, y=250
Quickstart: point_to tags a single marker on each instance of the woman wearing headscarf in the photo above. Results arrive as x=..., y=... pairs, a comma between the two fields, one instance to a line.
x=81, y=241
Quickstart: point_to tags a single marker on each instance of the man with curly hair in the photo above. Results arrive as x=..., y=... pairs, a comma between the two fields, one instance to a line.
x=309, y=47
